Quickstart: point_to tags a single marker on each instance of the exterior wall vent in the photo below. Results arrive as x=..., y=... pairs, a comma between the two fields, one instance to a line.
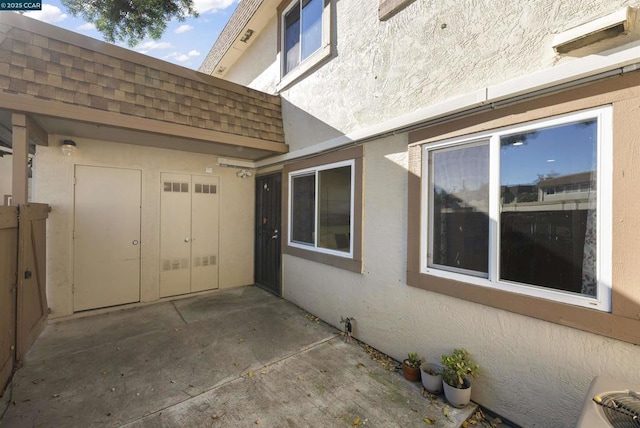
x=607, y=27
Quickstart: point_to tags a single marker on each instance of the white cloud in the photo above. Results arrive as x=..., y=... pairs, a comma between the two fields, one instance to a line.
x=180, y=57
x=87, y=26
x=183, y=29
x=49, y=13
x=152, y=45
x=211, y=6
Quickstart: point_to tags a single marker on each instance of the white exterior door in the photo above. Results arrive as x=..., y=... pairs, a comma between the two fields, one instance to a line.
x=188, y=234
x=106, y=237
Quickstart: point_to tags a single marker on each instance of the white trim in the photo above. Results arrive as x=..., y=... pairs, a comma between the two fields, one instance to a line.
x=626, y=58
x=304, y=64
x=604, y=148
x=622, y=16
x=313, y=171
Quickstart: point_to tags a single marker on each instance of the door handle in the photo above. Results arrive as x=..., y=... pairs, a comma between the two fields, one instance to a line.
x=275, y=234
x=186, y=239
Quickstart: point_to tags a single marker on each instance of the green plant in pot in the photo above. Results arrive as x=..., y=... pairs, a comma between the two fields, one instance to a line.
x=411, y=367
x=457, y=368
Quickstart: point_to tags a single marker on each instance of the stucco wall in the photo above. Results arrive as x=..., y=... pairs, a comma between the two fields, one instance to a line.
x=385, y=69
x=534, y=372
x=55, y=180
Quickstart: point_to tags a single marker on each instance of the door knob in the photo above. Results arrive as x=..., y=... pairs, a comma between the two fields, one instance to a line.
x=135, y=242
x=186, y=239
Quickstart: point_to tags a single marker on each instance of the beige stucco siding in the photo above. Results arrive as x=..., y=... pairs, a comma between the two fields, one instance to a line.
x=534, y=372
x=55, y=179
x=382, y=70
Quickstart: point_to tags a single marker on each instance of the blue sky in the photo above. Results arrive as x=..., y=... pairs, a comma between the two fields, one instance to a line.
x=184, y=43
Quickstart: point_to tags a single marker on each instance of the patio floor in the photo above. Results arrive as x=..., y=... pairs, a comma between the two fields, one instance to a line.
x=239, y=357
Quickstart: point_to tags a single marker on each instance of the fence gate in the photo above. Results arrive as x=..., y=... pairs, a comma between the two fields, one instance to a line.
x=23, y=298
x=32, y=309
x=8, y=266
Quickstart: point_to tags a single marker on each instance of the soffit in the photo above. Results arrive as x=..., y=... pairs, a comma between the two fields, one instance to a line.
x=250, y=15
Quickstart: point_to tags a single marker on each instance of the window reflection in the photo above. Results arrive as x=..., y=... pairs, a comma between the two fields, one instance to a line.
x=459, y=207
x=334, y=208
x=548, y=207
x=303, y=217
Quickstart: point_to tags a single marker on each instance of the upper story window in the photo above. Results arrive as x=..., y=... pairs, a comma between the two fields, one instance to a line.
x=305, y=36
x=524, y=209
x=302, y=32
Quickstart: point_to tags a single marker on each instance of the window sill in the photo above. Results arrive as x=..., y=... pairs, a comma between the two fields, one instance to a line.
x=304, y=67
x=351, y=265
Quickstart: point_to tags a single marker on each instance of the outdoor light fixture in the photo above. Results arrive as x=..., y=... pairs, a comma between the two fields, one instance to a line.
x=243, y=173
x=68, y=147
x=247, y=35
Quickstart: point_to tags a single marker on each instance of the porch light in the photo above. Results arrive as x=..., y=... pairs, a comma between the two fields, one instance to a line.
x=68, y=147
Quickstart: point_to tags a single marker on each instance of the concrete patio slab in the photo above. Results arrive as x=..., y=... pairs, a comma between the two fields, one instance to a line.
x=240, y=357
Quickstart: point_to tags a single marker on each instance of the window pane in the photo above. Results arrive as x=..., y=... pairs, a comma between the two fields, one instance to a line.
x=311, y=26
x=303, y=217
x=292, y=39
x=459, y=200
x=548, y=207
x=334, y=209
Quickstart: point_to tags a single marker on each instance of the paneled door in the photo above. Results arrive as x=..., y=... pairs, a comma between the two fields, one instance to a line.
x=188, y=234
x=106, y=237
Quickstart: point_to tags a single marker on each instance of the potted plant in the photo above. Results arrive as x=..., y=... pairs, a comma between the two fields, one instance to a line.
x=411, y=367
x=431, y=377
x=457, y=368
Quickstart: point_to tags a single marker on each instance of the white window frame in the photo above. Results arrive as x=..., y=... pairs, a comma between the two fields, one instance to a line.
x=315, y=171
x=604, y=147
x=309, y=62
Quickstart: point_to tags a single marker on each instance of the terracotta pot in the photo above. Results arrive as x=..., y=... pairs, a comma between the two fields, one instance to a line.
x=457, y=397
x=432, y=383
x=410, y=373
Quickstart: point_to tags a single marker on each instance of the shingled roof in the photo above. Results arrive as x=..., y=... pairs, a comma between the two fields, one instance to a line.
x=42, y=62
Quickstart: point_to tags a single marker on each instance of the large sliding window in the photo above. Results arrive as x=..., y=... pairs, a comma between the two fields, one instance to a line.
x=525, y=209
x=321, y=208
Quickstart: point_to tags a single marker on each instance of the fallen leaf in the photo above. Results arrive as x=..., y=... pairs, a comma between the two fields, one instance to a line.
x=241, y=341
x=56, y=395
x=173, y=381
x=497, y=421
x=361, y=365
x=356, y=422
x=177, y=329
x=113, y=389
x=428, y=421
x=250, y=374
x=445, y=412
x=257, y=421
x=236, y=364
x=104, y=373
x=465, y=424
x=264, y=372
x=300, y=377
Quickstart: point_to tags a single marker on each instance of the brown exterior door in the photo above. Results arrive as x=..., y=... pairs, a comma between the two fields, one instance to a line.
x=8, y=266
x=268, y=231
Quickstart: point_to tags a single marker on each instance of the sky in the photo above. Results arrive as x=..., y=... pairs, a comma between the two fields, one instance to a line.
x=184, y=43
